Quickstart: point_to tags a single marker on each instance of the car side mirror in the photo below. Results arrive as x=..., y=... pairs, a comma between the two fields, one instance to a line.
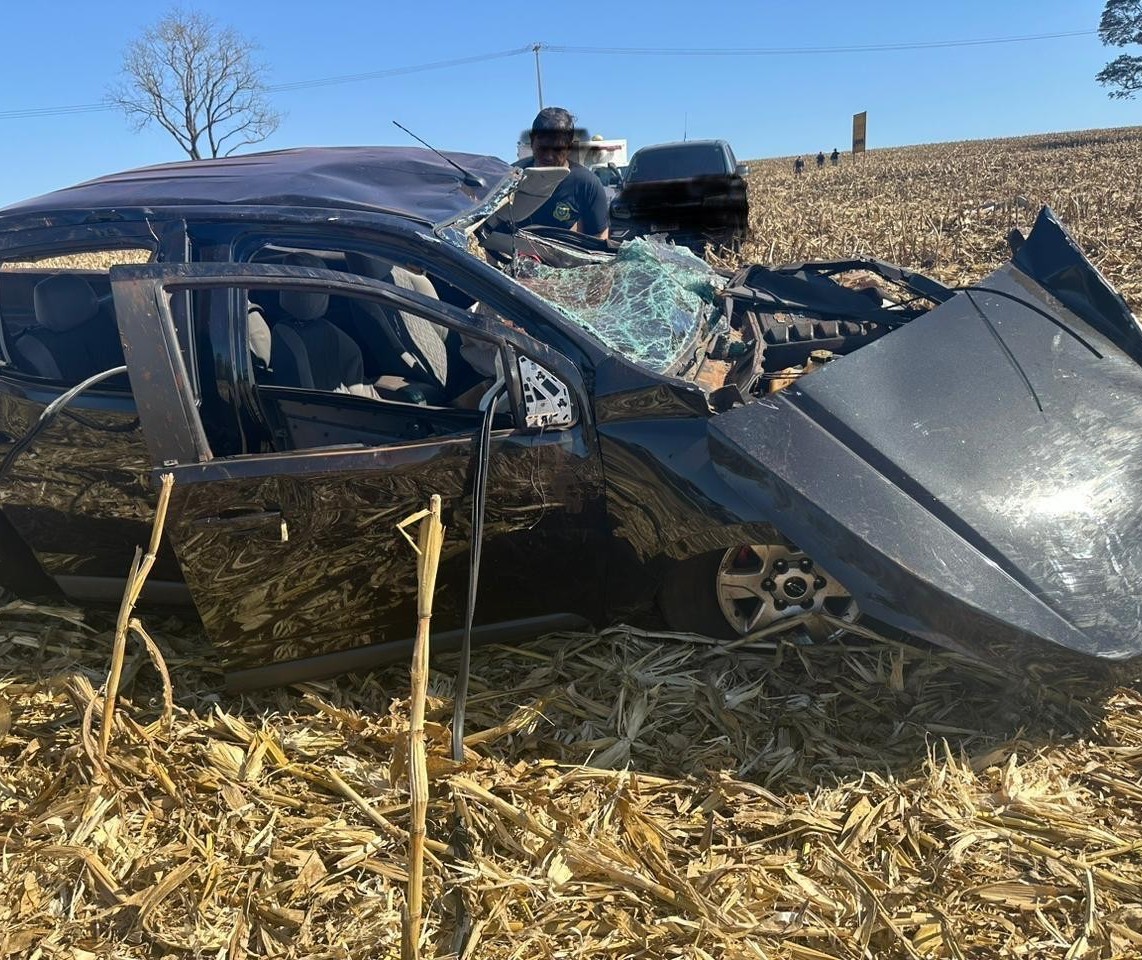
x=546, y=398
x=741, y=170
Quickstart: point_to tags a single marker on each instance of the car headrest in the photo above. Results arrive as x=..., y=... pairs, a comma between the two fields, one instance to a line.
x=377, y=268
x=368, y=265
x=417, y=282
x=63, y=302
x=298, y=304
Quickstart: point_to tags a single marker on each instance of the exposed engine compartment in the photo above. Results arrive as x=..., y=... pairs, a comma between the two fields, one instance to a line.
x=743, y=333
x=776, y=324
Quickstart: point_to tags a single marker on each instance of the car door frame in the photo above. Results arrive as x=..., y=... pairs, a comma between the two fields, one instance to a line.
x=177, y=440
x=138, y=287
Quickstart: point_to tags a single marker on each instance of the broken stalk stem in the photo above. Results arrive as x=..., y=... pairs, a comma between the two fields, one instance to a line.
x=430, y=539
x=135, y=580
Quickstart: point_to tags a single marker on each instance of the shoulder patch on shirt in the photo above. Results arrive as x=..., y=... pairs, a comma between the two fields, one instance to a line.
x=563, y=211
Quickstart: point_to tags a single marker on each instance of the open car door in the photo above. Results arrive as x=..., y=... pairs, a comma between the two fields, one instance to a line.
x=975, y=477
x=293, y=555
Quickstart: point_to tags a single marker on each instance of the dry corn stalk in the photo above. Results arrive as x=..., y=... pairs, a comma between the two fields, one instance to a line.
x=140, y=567
x=429, y=541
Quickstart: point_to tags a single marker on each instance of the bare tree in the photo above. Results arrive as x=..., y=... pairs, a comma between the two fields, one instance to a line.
x=1121, y=26
x=199, y=81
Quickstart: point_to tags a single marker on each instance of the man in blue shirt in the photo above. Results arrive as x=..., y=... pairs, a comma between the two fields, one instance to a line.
x=579, y=202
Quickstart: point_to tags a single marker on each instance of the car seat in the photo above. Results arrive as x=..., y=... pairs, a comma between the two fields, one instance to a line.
x=73, y=338
x=413, y=349
x=307, y=350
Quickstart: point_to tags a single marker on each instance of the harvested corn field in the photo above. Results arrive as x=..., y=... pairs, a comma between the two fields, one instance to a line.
x=624, y=794
x=945, y=209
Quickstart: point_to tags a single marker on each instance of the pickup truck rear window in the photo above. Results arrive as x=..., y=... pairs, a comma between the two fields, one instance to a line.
x=678, y=163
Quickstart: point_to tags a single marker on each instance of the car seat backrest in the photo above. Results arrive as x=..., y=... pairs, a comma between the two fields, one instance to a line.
x=289, y=359
x=332, y=358
x=73, y=338
x=419, y=343
x=303, y=305
x=428, y=338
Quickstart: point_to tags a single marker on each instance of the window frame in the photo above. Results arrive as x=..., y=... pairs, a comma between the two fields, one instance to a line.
x=71, y=241
x=145, y=308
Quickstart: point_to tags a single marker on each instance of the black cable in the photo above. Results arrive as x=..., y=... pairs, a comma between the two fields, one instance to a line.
x=475, y=547
x=460, y=844
x=50, y=412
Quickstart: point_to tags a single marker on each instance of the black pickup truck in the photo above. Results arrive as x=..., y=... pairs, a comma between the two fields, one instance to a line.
x=692, y=192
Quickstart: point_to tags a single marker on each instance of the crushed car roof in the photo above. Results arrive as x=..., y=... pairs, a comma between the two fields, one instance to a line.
x=407, y=181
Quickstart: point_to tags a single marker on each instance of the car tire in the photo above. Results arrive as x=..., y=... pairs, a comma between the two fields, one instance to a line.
x=729, y=593
x=688, y=599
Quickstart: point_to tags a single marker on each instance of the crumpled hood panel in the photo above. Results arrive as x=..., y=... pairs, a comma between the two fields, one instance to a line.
x=972, y=476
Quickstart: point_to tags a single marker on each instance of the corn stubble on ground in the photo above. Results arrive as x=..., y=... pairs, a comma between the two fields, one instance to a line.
x=623, y=795
x=946, y=208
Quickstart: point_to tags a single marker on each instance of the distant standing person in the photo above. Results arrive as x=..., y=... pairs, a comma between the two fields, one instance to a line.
x=820, y=159
x=798, y=166
x=579, y=202
x=834, y=157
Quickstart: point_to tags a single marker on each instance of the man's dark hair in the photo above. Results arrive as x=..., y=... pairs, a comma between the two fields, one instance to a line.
x=553, y=120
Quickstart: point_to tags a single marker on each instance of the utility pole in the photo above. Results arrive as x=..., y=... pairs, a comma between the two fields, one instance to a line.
x=538, y=73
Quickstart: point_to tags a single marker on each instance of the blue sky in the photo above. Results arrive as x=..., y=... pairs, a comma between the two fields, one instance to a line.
x=770, y=105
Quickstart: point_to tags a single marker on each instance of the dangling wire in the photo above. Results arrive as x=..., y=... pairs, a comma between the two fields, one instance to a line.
x=460, y=696
x=479, y=491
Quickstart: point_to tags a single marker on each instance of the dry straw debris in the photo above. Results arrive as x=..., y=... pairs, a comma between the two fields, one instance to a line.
x=624, y=795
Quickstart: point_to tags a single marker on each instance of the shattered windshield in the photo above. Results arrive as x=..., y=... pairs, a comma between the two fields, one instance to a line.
x=649, y=303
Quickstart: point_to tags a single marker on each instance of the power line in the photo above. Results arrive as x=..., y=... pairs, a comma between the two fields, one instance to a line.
x=72, y=109
x=400, y=71
x=288, y=87
x=53, y=111
x=805, y=51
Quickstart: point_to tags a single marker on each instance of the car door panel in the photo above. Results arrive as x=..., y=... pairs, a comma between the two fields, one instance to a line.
x=81, y=497
x=295, y=554
x=326, y=568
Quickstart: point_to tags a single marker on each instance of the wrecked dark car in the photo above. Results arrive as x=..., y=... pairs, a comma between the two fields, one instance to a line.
x=692, y=193
x=313, y=340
